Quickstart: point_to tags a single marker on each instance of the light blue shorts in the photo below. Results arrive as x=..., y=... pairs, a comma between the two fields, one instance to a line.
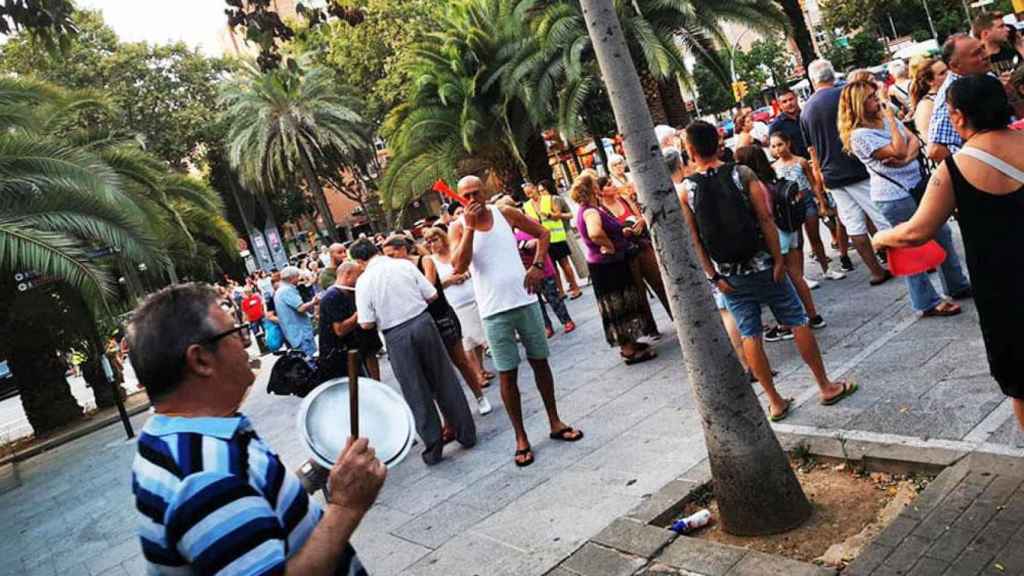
x=501, y=330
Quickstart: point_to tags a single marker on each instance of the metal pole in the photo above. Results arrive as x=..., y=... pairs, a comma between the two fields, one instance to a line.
x=108, y=372
x=931, y=25
x=893, y=26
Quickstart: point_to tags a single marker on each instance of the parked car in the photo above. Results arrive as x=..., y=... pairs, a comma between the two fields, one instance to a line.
x=8, y=389
x=726, y=128
x=763, y=114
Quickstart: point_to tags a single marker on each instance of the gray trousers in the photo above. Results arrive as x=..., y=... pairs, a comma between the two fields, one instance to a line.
x=425, y=373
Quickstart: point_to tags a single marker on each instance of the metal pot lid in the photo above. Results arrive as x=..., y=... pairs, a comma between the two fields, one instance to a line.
x=384, y=418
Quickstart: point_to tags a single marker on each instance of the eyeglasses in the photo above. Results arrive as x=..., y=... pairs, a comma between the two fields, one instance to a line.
x=244, y=332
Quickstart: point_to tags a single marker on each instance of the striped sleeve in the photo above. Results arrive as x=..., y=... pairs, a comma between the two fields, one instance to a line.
x=221, y=525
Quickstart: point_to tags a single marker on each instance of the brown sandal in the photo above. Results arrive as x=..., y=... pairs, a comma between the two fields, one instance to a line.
x=943, y=309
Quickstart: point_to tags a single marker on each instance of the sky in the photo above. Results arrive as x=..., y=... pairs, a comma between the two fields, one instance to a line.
x=198, y=23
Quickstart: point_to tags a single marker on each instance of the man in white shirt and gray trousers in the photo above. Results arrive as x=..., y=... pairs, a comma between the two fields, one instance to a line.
x=391, y=294
x=485, y=244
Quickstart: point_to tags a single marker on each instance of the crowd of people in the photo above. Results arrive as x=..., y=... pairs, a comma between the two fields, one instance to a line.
x=883, y=167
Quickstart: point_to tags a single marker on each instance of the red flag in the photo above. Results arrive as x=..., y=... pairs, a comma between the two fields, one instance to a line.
x=442, y=188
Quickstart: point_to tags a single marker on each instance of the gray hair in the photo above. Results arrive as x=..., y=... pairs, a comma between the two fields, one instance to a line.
x=344, y=269
x=673, y=160
x=949, y=47
x=897, y=68
x=821, y=71
x=161, y=330
x=290, y=272
x=614, y=159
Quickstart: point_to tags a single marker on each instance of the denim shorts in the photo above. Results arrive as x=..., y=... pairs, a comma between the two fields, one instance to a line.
x=790, y=240
x=752, y=291
x=501, y=330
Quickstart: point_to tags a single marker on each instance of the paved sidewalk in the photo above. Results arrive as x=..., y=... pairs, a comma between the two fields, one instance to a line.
x=923, y=384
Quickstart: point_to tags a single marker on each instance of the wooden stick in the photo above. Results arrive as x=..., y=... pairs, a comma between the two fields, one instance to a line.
x=353, y=391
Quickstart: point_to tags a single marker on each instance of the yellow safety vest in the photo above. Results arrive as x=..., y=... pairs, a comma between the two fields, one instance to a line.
x=555, y=226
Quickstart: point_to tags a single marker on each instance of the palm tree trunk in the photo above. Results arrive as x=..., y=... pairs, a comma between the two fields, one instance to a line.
x=321, y=201
x=538, y=166
x=652, y=96
x=756, y=489
x=801, y=34
x=675, y=106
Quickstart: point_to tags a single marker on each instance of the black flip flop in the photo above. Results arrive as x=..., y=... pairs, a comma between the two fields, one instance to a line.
x=639, y=356
x=885, y=278
x=561, y=435
x=528, y=451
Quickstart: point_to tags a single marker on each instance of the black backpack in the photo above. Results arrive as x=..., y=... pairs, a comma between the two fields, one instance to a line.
x=725, y=219
x=293, y=374
x=787, y=204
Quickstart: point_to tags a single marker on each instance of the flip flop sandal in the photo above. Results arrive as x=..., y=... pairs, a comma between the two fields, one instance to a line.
x=575, y=296
x=528, y=452
x=936, y=312
x=561, y=435
x=885, y=278
x=781, y=415
x=848, y=389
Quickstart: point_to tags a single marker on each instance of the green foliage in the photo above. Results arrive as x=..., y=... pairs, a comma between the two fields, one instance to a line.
x=66, y=191
x=463, y=108
x=49, y=21
x=165, y=94
x=563, y=74
x=371, y=57
x=908, y=16
x=712, y=96
x=285, y=122
x=864, y=50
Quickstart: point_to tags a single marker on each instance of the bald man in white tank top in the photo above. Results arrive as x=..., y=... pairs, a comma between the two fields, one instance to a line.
x=483, y=242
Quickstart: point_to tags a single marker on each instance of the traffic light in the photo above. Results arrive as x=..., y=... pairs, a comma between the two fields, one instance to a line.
x=739, y=90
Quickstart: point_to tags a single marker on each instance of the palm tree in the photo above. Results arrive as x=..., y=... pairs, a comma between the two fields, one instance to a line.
x=660, y=35
x=77, y=204
x=466, y=111
x=289, y=119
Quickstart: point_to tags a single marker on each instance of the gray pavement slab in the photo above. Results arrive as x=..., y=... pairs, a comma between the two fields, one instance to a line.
x=923, y=382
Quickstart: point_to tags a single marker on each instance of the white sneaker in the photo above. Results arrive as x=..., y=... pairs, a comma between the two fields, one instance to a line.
x=812, y=284
x=483, y=406
x=834, y=275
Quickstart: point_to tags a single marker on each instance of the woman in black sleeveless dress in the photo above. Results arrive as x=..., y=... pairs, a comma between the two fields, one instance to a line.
x=985, y=183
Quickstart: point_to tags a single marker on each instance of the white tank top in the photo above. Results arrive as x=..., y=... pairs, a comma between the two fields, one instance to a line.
x=458, y=295
x=497, y=270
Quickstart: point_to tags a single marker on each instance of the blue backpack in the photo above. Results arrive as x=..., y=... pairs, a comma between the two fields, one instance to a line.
x=274, y=335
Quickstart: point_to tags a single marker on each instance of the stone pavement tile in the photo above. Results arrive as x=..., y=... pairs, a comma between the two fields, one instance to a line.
x=421, y=495
x=112, y=556
x=43, y=566
x=994, y=536
x=634, y=537
x=937, y=491
x=977, y=515
x=497, y=490
x=382, y=518
x=135, y=566
x=654, y=505
x=937, y=523
x=871, y=556
x=113, y=571
x=907, y=553
x=559, y=571
x=440, y=524
x=897, y=530
x=1008, y=434
x=595, y=560
x=481, y=555
x=969, y=563
x=951, y=543
x=928, y=567
x=385, y=555
x=1001, y=489
x=701, y=556
x=759, y=564
x=699, y=472
x=1009, y=561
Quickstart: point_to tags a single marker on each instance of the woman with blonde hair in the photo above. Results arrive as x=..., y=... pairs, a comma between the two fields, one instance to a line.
x=929, y=75
x=625, y=312
x=870, y=131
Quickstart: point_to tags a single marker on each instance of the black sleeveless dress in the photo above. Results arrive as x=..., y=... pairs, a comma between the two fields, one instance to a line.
x=442, y=312
x=991, y=228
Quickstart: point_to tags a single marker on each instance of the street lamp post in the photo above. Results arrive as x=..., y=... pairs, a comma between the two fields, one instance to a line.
x=931, y=25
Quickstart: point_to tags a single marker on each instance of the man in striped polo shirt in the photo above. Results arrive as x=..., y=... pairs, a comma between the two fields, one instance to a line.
x=212, y=497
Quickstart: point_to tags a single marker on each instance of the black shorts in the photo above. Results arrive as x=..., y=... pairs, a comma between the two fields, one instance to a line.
x=559, y=250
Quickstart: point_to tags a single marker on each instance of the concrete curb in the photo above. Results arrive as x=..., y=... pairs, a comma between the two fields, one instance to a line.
x=71, y=435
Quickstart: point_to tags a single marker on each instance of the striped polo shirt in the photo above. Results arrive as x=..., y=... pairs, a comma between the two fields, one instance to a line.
x=212, y=498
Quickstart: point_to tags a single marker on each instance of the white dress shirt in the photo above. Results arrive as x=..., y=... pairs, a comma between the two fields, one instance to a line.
x=391, y=291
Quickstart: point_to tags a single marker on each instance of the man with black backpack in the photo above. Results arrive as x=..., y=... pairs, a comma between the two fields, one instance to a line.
x=735, y=239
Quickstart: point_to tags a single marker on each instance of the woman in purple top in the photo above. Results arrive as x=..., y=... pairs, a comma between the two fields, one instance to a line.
x=625, y=311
